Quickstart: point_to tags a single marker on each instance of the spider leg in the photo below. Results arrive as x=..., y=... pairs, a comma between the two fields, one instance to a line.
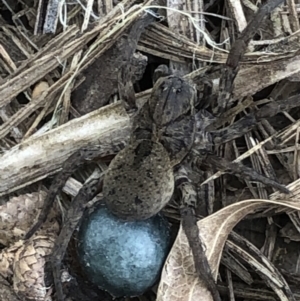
x=89, y=190
x=248, y=122
x=238, y=169
x=189, y=224
x=69, y=167
x=203, y=143
x=237, y=51
x=203, y=120
x=125, y=87
x=235, y=130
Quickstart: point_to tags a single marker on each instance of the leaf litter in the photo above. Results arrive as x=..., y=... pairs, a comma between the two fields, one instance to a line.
x=42, y=62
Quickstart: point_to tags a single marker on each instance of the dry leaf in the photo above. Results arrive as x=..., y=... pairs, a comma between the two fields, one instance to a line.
x=179, y=280
x=39, y=89
x=18, y=215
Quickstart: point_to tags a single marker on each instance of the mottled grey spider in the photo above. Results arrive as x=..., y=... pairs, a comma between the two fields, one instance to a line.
x=169, y=136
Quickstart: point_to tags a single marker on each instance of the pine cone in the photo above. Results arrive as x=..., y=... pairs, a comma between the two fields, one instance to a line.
x=29, y=268
x=18, y=215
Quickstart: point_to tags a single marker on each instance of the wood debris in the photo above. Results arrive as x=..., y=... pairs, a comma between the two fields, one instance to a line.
x=59, y=61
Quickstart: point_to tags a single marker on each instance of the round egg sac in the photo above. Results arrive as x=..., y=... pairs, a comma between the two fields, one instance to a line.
x=123, y=258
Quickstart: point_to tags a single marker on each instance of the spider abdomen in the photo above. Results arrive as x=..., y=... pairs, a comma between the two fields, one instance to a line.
x=139, y=181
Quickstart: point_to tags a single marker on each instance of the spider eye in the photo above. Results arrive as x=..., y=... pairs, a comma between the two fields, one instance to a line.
x=178, y=91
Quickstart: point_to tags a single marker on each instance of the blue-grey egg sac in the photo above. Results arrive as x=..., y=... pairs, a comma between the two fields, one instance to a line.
x=123, y=258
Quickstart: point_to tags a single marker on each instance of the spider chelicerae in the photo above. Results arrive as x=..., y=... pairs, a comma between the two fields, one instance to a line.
x=170, y=137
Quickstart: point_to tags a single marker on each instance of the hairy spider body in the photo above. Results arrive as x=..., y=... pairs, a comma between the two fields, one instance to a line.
x=166, y=133
x=168, y=117
x=140, y=180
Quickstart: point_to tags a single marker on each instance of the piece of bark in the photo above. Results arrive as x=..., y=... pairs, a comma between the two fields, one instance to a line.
x=101, y=78
x=39, y=156
x=101, y=81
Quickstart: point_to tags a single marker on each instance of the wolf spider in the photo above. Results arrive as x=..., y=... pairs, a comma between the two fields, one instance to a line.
x=169, y=137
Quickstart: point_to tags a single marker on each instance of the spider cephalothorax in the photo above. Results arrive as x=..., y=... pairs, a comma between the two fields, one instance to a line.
x=168, y=117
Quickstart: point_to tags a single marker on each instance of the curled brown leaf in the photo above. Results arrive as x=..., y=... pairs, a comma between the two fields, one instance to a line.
x=179, y=280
